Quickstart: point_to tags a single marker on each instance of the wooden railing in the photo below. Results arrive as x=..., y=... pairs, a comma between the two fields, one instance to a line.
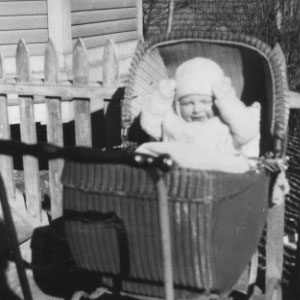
x=52, y=92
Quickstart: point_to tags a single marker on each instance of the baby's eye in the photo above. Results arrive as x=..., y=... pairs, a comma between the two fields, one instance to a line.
x=185, y=103
x=207, y=101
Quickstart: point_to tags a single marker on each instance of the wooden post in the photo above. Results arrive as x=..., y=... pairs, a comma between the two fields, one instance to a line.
x=60, y=31
x=139, y=19
x=83, y=132
x=14, y=242
x=274, y=245
x=54, y=131
x=110, y=65
x=6, y=162
x=28, y=134
x=111, y=109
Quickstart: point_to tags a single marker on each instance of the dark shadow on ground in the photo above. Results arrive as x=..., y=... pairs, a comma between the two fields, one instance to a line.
x=53, y=268
x=5, y=291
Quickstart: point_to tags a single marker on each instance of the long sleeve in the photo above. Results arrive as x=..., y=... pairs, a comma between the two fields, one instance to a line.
x=243, y=121
x=156, y=109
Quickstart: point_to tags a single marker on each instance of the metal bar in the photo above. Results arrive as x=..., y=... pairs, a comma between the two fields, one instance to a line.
x=85, y=154
x=165, y=236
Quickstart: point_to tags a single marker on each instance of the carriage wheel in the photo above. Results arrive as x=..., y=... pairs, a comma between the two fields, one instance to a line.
x=273, y=291
x=80, y=295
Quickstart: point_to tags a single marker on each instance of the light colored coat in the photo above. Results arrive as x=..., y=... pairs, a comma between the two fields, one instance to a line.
x=235, y=131
x=224, y=142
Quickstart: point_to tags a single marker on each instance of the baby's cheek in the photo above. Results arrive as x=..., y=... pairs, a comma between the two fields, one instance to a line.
x=211, y=111
x=185, y=112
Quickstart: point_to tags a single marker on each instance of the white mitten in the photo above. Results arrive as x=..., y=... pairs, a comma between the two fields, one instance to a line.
x=226, y=100
x=167, y=89
x=243, y=121
x=223, y=90
x=158, y=106
x=162, y=98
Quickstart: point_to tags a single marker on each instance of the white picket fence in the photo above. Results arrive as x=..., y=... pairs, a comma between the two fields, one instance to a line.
x=52, y=92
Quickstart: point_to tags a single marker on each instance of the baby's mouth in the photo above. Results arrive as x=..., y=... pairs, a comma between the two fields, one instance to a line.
x=198, y=118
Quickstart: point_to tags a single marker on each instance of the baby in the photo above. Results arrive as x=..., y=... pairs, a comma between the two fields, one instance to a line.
x=201, y=121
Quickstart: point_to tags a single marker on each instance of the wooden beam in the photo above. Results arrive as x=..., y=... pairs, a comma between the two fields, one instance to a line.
x=83, y=126
x=54, y=131
x=53, y=90
x=23, y=22
x=111, y=110
x=84, y=17
x=6, y=162
x=30, y=36
x=28, y=134
x=14, y=8
x=80, y=5
x=139, y=18
x=98, y=29
x=59, y=26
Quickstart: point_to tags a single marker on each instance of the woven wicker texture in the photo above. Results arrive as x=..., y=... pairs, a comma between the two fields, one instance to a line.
x=113, y=228
x=257, y=72
x=142, y=87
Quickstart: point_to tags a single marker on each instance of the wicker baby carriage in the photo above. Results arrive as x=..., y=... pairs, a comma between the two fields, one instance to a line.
x=182, y=233
x=202, y=232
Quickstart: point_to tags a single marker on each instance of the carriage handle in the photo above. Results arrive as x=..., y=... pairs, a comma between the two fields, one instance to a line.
x=86, y=154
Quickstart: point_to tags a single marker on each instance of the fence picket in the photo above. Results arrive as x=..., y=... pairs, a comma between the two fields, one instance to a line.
x=54, y=130
x=110, y=65
x=6, y=162
x=51, y=64
x=83, y=132
x=110, y=77
x=28, y=134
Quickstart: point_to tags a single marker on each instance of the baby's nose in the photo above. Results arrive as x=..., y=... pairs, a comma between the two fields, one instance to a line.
x=198, y=107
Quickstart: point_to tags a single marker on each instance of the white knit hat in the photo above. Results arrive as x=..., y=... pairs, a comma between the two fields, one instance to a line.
x=197, y=76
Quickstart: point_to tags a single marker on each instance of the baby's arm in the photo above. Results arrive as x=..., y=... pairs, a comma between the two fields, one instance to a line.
x=243, y=121
x=158, y=106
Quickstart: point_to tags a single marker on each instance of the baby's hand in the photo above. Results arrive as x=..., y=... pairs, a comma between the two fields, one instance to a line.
x=167, y=89
x=223, y=90
x=161, y=100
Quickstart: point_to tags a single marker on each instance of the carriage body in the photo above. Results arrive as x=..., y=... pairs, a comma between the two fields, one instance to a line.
x=216, y=219
x=113, y=228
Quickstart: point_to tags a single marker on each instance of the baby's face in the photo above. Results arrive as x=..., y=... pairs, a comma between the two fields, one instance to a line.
x=196, y=108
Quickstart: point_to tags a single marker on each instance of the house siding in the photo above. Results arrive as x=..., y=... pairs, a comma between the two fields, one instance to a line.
x=97, y=21
x=23, y=20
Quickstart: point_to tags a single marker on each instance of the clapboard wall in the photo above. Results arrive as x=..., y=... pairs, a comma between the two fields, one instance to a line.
x=26, y=20
x=98, y=20
x=64, y=21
